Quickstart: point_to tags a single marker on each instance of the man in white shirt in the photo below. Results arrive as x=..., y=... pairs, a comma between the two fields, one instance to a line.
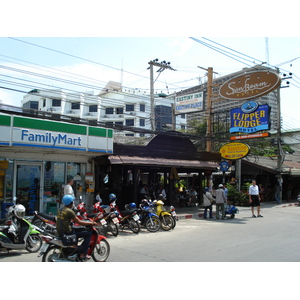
x=68, y=190
x=254, y=199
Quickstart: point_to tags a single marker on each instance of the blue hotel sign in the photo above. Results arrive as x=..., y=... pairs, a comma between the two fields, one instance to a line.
x=250, y=118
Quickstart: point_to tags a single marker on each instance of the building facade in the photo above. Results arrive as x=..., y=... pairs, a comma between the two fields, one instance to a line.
x=120, y=108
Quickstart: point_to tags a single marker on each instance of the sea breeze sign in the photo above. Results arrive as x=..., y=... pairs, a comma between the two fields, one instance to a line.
x=234, y=150
x=250, y=85
x=189, y=103
x=249, y=122
x=27, y=132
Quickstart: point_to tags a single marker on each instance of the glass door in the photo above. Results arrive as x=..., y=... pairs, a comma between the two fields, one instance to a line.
x=28, y=185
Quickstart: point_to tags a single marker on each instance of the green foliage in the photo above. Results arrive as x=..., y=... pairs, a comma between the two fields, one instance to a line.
x=238, y=198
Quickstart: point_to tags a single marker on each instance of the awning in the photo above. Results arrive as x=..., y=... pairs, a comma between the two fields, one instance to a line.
x=162, y=162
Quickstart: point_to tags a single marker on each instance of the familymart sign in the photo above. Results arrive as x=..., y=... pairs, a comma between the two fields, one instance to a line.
x=27, y=132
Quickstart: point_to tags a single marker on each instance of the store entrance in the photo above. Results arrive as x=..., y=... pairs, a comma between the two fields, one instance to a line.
x=29, y=185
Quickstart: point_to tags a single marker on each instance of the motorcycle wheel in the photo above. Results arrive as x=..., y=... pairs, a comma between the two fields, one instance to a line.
x=134, y=226
x=152, y=224
x=101, y=251
x=52, y=253
x=113, y=228
x=166, y=222
x=33, y=243
x=174, y=222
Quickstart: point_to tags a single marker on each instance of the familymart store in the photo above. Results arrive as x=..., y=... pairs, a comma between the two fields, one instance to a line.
x=37, y=156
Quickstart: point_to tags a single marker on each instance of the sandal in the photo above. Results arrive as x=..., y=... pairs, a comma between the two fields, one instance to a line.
x=84, y=257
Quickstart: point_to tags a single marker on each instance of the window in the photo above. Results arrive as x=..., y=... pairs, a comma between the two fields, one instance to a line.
x=182, y=116
x=119, y=123
x=75, y=105
x=119, y=110
x=129, y=107
x=32, y=105
x=109, y=110
x=129, y=122
x=142, y=122
x=56, y=102
x=93, y=108
x=142, y=107
x=44, y=102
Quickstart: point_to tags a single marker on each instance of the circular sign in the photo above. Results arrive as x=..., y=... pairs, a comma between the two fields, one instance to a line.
x=224, y=166
x=249, y=106
x=234, y=150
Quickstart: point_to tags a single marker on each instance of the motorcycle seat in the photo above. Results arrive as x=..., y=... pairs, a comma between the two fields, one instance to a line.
x=126, y=212
x=48, y=217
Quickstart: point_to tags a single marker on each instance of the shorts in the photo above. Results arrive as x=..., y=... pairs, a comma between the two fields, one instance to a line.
x=255, y=200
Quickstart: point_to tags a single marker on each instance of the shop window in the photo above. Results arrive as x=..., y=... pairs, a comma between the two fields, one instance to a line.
x=54, y=180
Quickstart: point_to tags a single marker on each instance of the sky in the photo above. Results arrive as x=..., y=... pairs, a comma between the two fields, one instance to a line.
x=94, y=61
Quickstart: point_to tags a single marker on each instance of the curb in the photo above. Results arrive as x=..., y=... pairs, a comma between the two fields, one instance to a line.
x=201, y=215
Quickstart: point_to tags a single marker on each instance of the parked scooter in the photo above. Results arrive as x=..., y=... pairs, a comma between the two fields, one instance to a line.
x=164, y=216
x=54, y=251
x=45, y=222
x=129, y=217
x=18, y=233
x=148, y=217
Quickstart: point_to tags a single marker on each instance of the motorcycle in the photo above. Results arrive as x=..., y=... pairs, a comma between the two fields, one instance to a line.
x=148, y=217
x=53, y=249
x=107, y=218
x=129, y=217
x=18, y=233
x=165, y=217
x=46, y=223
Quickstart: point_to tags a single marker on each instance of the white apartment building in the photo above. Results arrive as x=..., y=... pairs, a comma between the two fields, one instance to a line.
x=115, y=105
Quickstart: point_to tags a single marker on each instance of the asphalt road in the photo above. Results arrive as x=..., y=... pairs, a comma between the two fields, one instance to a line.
x=273, y=238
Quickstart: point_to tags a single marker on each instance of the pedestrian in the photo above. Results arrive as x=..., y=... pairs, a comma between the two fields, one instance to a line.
x=220, y=202
x=277, y=192
x=68, y=190
x=207, y=203
x=98, y=198
x=254, y=199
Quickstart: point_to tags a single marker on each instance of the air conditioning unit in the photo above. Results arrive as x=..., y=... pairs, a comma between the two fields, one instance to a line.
x=133, y=113
x=121, y=116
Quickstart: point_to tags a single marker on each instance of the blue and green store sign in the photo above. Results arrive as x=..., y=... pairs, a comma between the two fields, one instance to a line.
x=28, y=132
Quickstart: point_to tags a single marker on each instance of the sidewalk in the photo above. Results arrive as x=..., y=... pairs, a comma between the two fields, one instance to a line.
x=197, y=211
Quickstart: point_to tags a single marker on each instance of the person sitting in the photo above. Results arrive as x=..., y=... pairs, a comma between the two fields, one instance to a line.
x=63, y=225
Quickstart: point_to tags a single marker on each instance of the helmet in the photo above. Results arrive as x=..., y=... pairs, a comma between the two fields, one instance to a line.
x=67, y=199
x=112, y=197
x=206, y=189
x=132, y=205
x=145, y=202
x=159, y=202
x=19, y=211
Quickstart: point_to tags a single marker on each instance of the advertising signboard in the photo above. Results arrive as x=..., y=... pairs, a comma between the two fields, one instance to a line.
x=188, y=103
x=250, y=85
x=249, y=121
x=234, y=150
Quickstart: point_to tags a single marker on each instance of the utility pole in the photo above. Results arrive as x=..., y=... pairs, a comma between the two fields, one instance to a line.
x=162, y=66
x=209, y=107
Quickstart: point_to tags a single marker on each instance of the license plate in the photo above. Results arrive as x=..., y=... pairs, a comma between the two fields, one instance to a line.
x=44, y=248
x=135, y=217
x=103, y=222
x=173, y=213
x=115, y=220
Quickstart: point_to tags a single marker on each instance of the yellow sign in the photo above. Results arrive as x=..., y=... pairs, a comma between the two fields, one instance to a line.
x=3, y=164
x=234, y=150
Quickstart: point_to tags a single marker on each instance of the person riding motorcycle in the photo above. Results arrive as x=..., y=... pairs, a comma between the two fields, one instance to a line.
x=63, y=224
